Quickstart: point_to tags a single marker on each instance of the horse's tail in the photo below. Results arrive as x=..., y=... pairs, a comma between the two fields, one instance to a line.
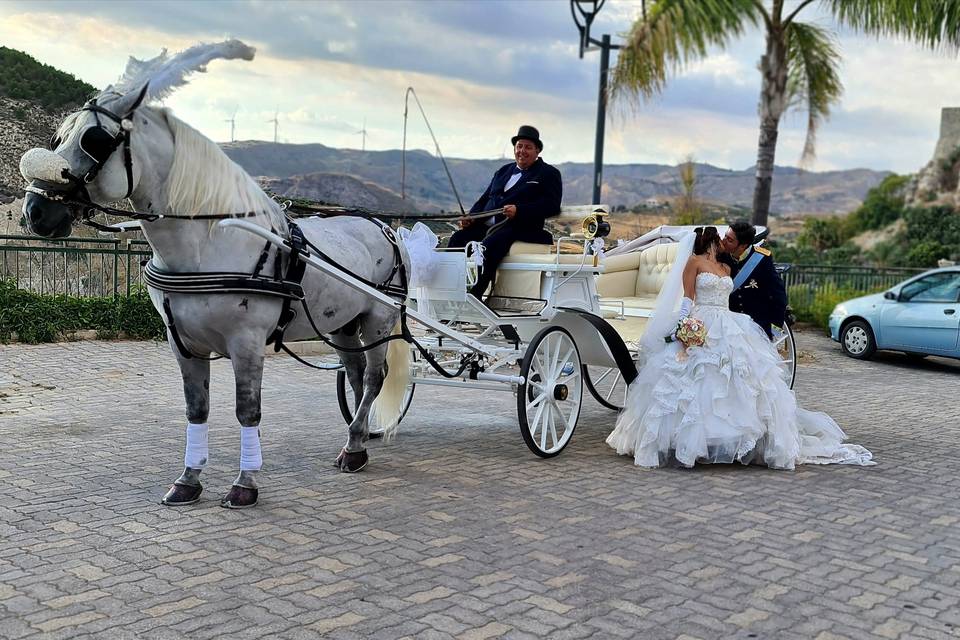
x=387, y=408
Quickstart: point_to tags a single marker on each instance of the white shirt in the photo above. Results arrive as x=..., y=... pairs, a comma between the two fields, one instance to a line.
x=514, y=179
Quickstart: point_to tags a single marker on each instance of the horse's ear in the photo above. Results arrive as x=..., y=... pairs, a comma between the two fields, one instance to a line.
x=140, y=97
x=125, y=105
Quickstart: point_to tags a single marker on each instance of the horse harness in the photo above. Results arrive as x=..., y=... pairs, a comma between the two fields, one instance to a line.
x=283, y=284
x=99, y=145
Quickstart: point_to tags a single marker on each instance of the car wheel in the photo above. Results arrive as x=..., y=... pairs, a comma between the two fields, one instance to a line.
x=857, y=340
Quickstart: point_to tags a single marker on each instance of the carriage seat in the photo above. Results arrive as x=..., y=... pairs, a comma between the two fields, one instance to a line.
x=522, y=284
x=636, y=278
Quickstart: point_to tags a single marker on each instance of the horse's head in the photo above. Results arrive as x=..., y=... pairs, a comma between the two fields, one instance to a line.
x=90, y=160
x=103, y=153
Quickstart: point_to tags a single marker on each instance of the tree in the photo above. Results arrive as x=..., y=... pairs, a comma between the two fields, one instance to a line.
x=687, y=208
x=799, y=68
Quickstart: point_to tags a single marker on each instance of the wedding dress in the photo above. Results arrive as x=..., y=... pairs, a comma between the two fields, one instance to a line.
x=724, y=402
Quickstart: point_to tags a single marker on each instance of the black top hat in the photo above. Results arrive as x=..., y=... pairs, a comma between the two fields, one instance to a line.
x=526, y=132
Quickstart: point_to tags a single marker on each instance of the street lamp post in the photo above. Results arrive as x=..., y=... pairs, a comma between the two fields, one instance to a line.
x=584, y=11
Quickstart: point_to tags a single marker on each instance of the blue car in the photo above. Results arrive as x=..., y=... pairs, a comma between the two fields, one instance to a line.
x=918, y=316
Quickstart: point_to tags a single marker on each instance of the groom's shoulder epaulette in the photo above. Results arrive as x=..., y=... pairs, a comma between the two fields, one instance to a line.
x=763, y=250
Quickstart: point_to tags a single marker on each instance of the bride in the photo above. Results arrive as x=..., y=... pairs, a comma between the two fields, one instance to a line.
x=725, y=401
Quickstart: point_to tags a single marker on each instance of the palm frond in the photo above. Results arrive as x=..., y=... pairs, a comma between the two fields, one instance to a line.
x=932, y=23
x=813, y=77
x=674, y=34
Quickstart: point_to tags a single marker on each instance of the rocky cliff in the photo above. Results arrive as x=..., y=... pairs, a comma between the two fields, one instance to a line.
x=25, y=125
x=938, y=182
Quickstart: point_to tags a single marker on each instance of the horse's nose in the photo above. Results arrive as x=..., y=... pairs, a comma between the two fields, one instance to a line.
x=46, y=218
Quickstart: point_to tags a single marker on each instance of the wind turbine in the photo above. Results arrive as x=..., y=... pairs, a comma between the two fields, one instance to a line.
x=233, y=121
x=275, y=122
x=363, y=133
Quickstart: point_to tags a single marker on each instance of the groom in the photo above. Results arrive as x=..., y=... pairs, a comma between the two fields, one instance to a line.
x=758, y=290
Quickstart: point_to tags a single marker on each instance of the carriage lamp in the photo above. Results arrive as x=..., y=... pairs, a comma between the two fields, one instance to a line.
x=594, y=226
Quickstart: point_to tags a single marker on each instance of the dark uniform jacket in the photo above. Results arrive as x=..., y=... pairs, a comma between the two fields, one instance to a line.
x=536, y=195
x=762, y=296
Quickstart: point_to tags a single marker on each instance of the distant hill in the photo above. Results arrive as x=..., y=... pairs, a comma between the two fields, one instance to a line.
x=24, y=78
x=629, y=185
x=338, y=188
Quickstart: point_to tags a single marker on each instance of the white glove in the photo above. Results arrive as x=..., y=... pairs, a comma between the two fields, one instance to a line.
x=686, y=304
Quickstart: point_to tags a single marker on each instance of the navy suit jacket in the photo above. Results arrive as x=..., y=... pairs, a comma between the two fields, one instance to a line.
x=763, y=296
x=536, y=196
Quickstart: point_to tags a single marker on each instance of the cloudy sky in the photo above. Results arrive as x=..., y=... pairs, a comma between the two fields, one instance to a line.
x=481, y=67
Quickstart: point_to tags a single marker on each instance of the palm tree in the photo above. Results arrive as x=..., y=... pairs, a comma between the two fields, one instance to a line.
x=799, y=69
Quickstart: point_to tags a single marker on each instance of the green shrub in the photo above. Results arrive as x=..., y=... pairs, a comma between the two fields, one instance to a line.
x=814, y=305
x=42, y=318
x=882, y=205
x=926, y=254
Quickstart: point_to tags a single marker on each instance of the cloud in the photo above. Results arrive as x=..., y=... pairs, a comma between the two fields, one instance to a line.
x=480, y=69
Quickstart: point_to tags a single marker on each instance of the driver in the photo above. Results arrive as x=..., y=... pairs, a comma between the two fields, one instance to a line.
x=529, y=191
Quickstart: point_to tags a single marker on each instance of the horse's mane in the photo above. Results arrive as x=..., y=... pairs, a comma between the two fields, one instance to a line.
x=203, y=180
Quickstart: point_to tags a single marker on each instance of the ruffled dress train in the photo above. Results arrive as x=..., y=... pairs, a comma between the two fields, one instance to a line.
x=727, y=401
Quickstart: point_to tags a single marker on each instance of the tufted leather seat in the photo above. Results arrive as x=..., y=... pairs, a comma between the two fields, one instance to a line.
x=636, y=278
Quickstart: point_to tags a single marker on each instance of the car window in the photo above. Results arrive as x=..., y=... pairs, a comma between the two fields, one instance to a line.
x=937, y=287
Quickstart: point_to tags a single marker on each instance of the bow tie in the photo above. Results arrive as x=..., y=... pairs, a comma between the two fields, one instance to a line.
x=517, y=170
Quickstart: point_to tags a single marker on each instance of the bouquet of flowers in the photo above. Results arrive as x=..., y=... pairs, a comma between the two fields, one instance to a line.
x=691, y=332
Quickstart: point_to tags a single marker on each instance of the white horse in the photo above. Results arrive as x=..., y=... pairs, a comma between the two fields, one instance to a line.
x=119, y=146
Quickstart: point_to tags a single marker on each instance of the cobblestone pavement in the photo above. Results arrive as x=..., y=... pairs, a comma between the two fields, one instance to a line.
x=457, y=530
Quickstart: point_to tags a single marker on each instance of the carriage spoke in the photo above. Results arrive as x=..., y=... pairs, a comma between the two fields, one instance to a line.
x=543, y=428
x=555, y=359
x=536, y=401
x=613, y=387
x=604, y=375
x=536, y=418
x=537, y=365
x=553, y=429
x=562, y=362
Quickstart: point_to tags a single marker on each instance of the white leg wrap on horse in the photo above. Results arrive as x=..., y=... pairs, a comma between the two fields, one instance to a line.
x=250, y=458
x=197, y=451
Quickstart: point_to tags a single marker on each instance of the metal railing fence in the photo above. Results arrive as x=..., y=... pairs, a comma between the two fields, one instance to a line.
x=83, y=267
x=805, y=281
x=111, y=267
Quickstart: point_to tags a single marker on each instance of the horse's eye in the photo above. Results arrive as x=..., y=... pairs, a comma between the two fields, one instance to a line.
x=54, y=142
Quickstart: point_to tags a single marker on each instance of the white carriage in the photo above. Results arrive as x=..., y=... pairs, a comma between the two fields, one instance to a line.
x=557, y=323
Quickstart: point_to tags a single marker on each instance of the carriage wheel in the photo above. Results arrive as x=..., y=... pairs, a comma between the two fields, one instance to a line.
x=548, y=402
x=606, y=385
x=787, y=348
x=345, y=400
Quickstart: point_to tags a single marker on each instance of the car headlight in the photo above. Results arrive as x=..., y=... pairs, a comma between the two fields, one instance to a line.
x=839, y=311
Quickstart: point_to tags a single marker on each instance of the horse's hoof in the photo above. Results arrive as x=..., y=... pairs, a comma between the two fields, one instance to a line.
x=352, y=462
x=240, y=498
x=181, y=494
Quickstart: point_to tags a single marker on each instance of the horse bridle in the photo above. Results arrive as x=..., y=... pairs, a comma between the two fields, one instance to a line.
x=99, y=145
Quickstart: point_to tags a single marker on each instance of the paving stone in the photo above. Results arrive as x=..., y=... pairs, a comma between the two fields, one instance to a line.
x=455, y=529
